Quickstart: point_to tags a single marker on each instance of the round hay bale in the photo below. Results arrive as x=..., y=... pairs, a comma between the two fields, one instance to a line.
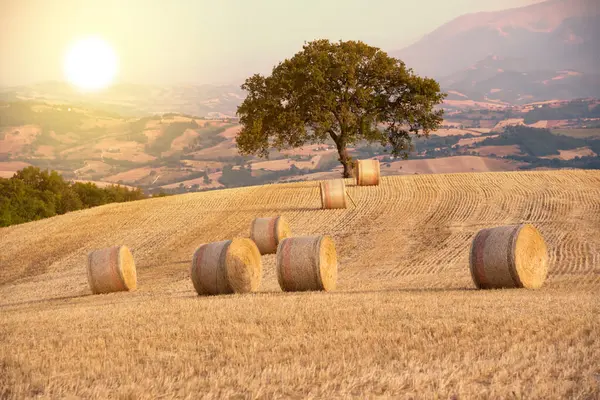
x=111, y=270
x=268, y=232
x=512, y=256
x=367, y=172
x=333, y=194
x=307, y=263
x=230, y=266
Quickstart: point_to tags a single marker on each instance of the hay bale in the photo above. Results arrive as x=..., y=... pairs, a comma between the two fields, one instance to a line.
x=307, y=263
x=333, y=194
x=111, y=270
x=230, y=266
x=367, y=172
x=268, y=232
x=513, y=256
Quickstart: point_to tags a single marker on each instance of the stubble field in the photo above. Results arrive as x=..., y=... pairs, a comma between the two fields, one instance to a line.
x=405, y=321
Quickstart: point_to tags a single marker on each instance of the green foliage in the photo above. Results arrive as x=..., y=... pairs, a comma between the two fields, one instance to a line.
x=209, y=136
x=572, y=110
x=44, y=139
x=339, y=91
x=32, y=194
x=534, y=141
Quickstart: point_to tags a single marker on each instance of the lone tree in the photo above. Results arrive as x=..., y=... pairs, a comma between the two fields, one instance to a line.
x=346, y=91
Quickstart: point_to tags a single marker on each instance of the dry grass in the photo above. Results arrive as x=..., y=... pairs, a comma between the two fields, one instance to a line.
x=500, y=151
x=455, y=164
x=13, y=139
x=404, y=321
x=471, y=141
x=571, y=154
x=454, y=132
x=286, y=163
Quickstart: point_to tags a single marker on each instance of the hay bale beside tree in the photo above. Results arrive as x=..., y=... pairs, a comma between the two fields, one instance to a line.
x=367, y=172
x=512, y=256
x=226, y=267
x=111, y=270
x=346, y=92
x=307, y=263
x=268, y=232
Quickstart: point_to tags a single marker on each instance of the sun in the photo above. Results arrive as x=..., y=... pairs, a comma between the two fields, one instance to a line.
x=91, y=64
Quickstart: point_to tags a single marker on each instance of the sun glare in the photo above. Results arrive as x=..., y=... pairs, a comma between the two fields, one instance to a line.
x=91, y=64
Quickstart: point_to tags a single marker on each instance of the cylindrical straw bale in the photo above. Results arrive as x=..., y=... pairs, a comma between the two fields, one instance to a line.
x=307, y=263
x=512, y=256
x=333, y=194
x=268, y=232
x=367, y=172
x=111, y=270
x=230, y=266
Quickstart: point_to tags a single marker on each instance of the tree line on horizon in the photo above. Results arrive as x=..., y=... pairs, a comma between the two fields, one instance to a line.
x=32, y=194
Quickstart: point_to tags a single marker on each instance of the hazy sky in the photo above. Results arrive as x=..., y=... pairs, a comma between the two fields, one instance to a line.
x=198, y=41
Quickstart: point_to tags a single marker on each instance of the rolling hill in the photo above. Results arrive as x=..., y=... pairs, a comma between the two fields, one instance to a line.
x=521, y=54
x=136, y=100
x=404, y=322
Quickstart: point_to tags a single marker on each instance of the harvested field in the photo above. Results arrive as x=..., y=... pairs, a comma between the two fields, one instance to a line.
x=571, y=154
x=540, y=124
x=487, y=124
x=471, y=141
x=309, y=150
x=102, y=184
x=214, y=177
x=180, y=142
x=448, y=165
x=232, y=132
x=285, y=163
x=223, y=149
x=132, y=175
x=557, y=123
x=478, y=104
x=500, y=151
x=455, y=132
x=94, y=167
x=507, y=122
x=404, y=321
x=13, y=139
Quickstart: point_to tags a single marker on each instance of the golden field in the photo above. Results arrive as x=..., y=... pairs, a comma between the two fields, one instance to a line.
x=404, y=322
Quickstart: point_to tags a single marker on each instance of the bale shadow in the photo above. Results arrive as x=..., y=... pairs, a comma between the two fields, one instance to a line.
x=193, y=294
x=46, y=300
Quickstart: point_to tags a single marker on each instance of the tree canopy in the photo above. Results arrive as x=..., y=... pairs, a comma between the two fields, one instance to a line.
x=32, y=194
x=347, y=91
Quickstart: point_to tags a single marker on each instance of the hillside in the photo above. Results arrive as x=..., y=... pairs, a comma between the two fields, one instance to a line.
x=182, y=153
x=136, y=100
x=539, y=52
x=404, y=321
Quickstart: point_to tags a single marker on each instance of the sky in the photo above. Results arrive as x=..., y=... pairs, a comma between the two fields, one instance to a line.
x=199, y=41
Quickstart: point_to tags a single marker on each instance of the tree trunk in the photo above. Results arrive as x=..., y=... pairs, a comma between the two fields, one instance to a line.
x=346, y=162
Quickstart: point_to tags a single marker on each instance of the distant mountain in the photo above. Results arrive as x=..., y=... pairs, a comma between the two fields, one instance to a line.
x=553, y=35
x=138, y=100
x=517, y=81
x=540, y=52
